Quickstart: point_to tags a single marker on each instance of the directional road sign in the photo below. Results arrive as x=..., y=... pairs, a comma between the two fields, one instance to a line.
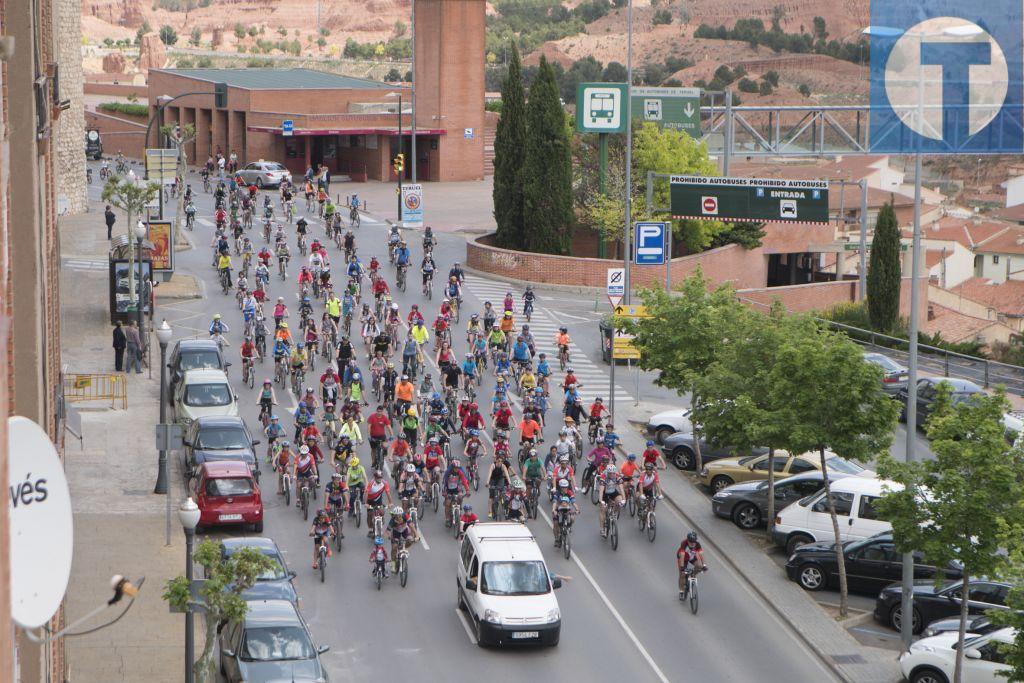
x=162, y=165
x=673, y=108
x=649, y=243
x=287, y=127
x=763, y=200
x=631, y=311
x=601, y=107
x=616, y=285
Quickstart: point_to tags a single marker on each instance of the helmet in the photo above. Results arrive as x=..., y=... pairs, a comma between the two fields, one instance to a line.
x=336, y=475
x=280, y=299
x=692, y=537
x=411, y=412
x=519, y=485
x=305, y=299
x=474, y=406
x=649, y=443
x=304, y=450
x=433, y=439
x=397, y=511
x=300, y=345
x=377, y=474
x=284, y=326
x=274, y=417
x=649, y=466
x=474, y=316
x=410, y=468
x=353, y=462
x=469, y=354
x=533, y=453
x=328, y=405
x=563, y=432
x=455, y=462
x=598, y=400
x=435, y=396
x=631, y=456
x=309, y=390
x=563, y=328
x=508, y=314
x=563, y=458
x=466, y=507
x=356, y=376
x=302, y=405
x=285, y=444
x=319, y=512
x=377, y=540
x=539, y=391
x=474, y=432
x=612, y=469
x=563, y=483
x=216, y=316
x=569, y=369
x=268, y=381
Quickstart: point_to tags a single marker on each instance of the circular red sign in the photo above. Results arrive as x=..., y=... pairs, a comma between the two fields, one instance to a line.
x=710, y=204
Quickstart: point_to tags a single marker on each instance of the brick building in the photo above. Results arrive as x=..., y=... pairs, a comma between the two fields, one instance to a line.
x=349, y=124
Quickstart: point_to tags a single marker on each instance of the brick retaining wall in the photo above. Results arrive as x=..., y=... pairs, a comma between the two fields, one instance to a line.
x=118, y=134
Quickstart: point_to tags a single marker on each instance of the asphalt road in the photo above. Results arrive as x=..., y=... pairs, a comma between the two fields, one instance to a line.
x=620, y=614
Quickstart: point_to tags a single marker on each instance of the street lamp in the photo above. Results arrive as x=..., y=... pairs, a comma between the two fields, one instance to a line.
x=163, y=336
x=188, y=514
x=399, y=167
x=140, y=234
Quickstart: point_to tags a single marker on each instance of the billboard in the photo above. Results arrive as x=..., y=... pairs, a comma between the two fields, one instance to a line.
x=764, y=200
x=162, y=254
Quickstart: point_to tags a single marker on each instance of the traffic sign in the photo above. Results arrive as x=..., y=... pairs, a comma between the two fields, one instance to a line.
x=287, y=127
x=672, y=108
x=623, y=347
x=600, y=107
x=631, y=311
x=616, y=285
x=162, y=165
x=649, y=243
x=763, y=200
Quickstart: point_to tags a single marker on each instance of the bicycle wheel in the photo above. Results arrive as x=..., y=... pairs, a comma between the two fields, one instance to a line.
x=613, y=534
x=593, y=490
x=455, y=522
x=305, y=503
x=337, y=535
x=252, y=377
x=566, y=543
x=652, y=526
x=287, y=493
x=357, y=508
x=693, y=596
x=631, y=505
x=641, y=520
x=323, y=564
x=435, y=495
x=403, y=571
x=380, y=577
x=476, y=479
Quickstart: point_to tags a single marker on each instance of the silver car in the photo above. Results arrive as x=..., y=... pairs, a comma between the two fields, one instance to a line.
x=895, y=378
x=272, y=644
x=264, y=173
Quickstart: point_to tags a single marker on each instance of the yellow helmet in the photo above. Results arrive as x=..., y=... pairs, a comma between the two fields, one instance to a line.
x=353, y=461
x=284, y=326
x=411, y=412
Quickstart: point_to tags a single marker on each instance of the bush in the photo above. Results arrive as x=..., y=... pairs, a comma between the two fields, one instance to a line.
x=747, y=85
x=1007, y=353
x=168, y=36
x=662, y=16
x=772, y=77
x=239, y=30
x=804, y=90
x=184, y=63
x=125, y=108
x=204, y=63
x=493, y=105
x=195, y=37
x=258, y=63
x=765, y=88
x=393, y=76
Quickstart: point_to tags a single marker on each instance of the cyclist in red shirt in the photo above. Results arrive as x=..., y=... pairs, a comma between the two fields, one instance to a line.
x=653, y=455
x=377, y=489
x=502, y=417
x=379, y=427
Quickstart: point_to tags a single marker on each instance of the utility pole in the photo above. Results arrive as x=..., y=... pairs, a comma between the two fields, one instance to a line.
x=627, y=254
x=413, y=41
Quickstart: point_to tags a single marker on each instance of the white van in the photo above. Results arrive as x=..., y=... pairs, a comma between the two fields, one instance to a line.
x=504, y=586
x=808, y=520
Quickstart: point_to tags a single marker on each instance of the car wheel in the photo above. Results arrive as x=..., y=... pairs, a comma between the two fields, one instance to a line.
x=896, y=619
x=720, y=482
x=663, y=433
x=797, y=540
x=259, y=183
x=812, y=578
x=928, y=675
x=746, y=516
x=258, y=527
x=682, y=458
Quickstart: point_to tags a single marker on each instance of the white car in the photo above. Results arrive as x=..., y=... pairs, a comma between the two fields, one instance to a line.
x=264, y=173
x=204, y=392
x=668, y=422
x=1013, y=423
x=932, y=660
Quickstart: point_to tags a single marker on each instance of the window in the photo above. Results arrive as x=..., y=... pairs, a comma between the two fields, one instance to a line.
x=276, y=643
x=995, y=258
x=843, y=466
x=195, y=360
x=228, y=486
x=514, y=578
x=222, y=439
x=807, y=488
x=799, y=466
x=474, y=569
x=842, y=501
x=991, y=652
x=867, y=507
x=466, y=552
x=990, y=593
x=207, y=395
x=878, y=552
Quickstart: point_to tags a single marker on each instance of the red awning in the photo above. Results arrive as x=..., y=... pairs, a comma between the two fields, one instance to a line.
x=345, y=131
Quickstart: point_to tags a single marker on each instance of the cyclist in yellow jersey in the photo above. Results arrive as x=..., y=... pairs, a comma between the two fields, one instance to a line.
x=224, y=264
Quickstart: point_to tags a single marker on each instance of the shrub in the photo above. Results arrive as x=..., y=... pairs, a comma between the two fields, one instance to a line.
x=765, y=88
x=747, y=85
x=168, y=36
x=662, y=16
x=493, y=105
x=204, y=63
x=804, y=90
x=125, y=108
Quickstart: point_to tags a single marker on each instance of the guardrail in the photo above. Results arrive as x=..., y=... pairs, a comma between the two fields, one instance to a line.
x=96, y=387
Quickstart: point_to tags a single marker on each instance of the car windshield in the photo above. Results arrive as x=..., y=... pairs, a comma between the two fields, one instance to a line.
x=276, y=644
x=228, y=439
x=514, y=578
x=194, y=360
x=275, y=572
x=229, y=486
x=207, y=395
x=273, y=167
x=746, y=460
x=837, y=464
x=886, y=363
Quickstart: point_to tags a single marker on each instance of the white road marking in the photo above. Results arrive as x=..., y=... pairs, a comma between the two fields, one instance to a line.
x=465, y=625
x=204, y=221
x=563, y=314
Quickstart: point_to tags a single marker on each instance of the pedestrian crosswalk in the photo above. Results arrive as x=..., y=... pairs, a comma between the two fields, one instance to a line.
x=543, y=325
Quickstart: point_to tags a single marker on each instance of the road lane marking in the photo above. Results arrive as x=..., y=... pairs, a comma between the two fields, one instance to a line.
x=465, y=625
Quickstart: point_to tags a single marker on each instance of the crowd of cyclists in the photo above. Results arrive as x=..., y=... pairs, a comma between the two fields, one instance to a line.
x=432, y=439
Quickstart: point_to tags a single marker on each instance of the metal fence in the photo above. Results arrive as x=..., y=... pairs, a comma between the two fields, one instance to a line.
x=96, y=387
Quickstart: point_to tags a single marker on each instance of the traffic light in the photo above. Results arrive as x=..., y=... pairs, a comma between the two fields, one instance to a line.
x=399, y=163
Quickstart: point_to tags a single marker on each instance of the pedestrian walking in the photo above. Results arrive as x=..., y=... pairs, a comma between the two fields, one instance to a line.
x=111, y=218
x=220, y=165
x=120, y=342
x=134, y=345
x=327, y=177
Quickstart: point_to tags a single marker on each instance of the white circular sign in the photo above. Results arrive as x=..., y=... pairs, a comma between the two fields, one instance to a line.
x=42, y=535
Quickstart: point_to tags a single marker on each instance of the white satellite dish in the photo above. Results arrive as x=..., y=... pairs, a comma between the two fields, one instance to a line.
x=41, y=526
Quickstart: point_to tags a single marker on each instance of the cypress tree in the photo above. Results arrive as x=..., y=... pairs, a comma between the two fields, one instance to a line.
x=884, y=274
x=509, y=158
x=548, y=171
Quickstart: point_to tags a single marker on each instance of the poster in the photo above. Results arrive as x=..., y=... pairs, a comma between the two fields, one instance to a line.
x=412, y=206
x=162, y=254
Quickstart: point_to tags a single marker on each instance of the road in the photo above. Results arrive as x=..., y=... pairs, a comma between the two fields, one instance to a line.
x=620, y=613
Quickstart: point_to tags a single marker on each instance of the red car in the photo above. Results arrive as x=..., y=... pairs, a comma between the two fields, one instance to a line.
x=227, y=493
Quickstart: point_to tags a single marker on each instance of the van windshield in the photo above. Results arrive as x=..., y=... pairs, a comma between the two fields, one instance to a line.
x=514, y=578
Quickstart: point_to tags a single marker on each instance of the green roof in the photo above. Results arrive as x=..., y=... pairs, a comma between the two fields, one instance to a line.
x=277, y=79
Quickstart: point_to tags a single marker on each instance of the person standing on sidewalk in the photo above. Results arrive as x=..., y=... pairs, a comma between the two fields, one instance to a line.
x=111, y=218
x=120, y=342
x=134, y=348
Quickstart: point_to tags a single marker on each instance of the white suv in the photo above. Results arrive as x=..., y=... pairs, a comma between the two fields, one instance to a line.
x=932, y=660
x=504, y=586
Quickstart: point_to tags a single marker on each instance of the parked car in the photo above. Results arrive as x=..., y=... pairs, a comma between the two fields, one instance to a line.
x=808, y=520
x=666, y=423
x=272, y=643
x=680, y=450
x=927, y=389
x=975, y=625
x=1013, y=423
x=264, y=173
x=273, y=584
x=931, y=603
x=214, y=438
x=504, y=586
x=727, y=471
x=932, y=660
x=746, y=504
x=93, y=144
x=228, y=493
x=193, y=354
x=895, y=378
x=871, y=564
x=202, y=393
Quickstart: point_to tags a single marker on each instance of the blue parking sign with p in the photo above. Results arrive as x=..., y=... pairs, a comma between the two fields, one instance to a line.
x=946, y=77
x=649, y=240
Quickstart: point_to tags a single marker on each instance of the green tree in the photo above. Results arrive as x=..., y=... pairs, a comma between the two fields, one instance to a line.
x=884, y=273
x=772, y=77
x=614, y=73
x=220, y=595
x=965, y=505
x=168, y=36
x=239, y=30
x=819, y=28
x=831, y=398
x=143, y=30
x=765, y=88
x=510, y=158
x=195, y=37
x=399, y=29
x=1014, y=616
x=804, y=90
x=547, y=184
x=132, y=198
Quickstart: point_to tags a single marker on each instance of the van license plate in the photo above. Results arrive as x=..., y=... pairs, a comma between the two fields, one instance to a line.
x=522, y=635
x=231, y=518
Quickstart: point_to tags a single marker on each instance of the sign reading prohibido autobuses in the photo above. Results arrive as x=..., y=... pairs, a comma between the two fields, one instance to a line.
x=764, y=200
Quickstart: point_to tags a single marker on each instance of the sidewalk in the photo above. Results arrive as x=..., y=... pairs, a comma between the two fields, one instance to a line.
x=819, y=631
x=119, y=522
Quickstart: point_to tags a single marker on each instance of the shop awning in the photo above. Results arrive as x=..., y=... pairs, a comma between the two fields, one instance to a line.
x=345, y=131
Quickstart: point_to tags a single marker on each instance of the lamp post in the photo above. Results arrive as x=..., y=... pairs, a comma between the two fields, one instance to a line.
x=163, y=336
x=188, y=514
x=140, y=233
x=399, y=154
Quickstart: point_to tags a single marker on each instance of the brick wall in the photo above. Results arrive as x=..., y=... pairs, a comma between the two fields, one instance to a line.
x=732, y=263
x=118, y=134
x=115, y=89
x=819, y=296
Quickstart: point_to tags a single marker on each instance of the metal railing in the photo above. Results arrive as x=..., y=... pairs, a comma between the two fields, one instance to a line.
x=96, y=387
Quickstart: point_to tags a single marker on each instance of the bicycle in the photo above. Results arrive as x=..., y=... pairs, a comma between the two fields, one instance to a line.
x=564, y=529
x=595, y=432
x=225, y=280
x=248, y=373
x=402, y=564
x=400, y=281
x=378, y=573
x=528, y=311
x=563, y=357
x=322, y=558
x=298, y=380
x=691, y=588
x=533, y=499
x=454, y=506
x=497, y=503
x=337, y=522
x=378, y=520
x=279, y=371
x=611, y=524
x=304, y=498
x=286, y=486
x=474, y=473
x=428, y=288
x=190, y=220
x=645, y=517
x=354, y=218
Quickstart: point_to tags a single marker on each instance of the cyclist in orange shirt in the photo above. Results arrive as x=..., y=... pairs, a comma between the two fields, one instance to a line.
x=562, y=337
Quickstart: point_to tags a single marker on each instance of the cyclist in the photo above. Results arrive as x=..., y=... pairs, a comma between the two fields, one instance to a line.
x=597, y=412
x=564, y=496
x=455, y=485
x=562, y=341
x=329, y=385
x=629, y=471
x=379, y=427
x=528, y=299
x=401, y=532
x=521, y=353
x=379, y=557
x=303, y=418
x=653, y=455
x=456, y=272
x=320, y=530
x=609, y=493
x=304, y=470
x=595, y=458
x=355, y=478
x=611, y=439
x=336, y=493
x=248, y=353
x=497, y=479
x=467, y=519
x=516, y=503
x=377, y=489
x=649, y=484
x=474, y=447
x=402, y=255
x=690, y=553
x=218, y=326
x=410, y=486
x=533, y=470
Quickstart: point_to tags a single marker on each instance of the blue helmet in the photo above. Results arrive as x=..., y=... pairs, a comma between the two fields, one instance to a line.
x=302, y=405
x=436, y=396
x=474, y=432
x=300, y=345
x=378, y=541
